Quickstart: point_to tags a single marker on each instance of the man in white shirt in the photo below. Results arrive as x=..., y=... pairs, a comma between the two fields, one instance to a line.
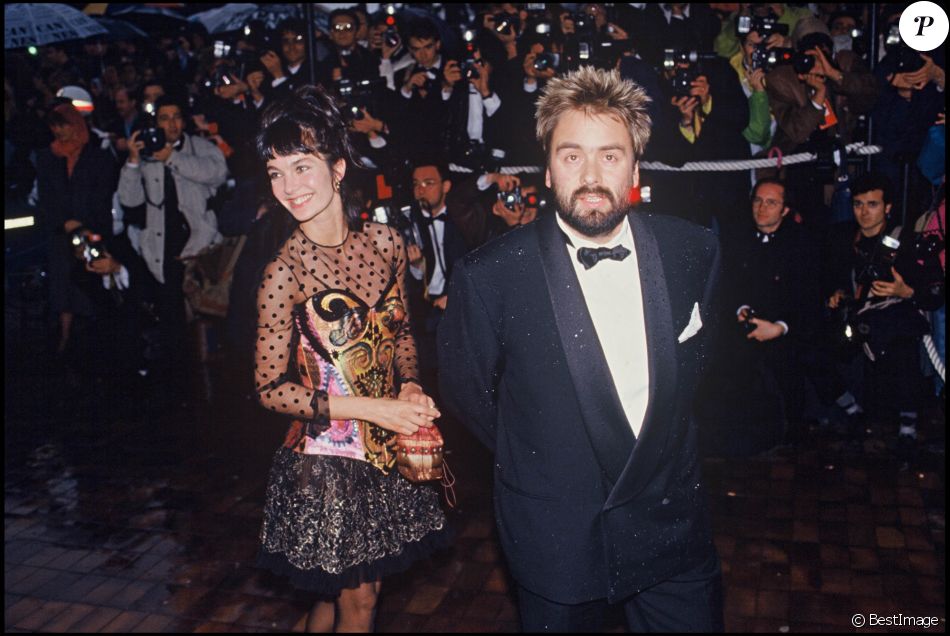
x=572, y=347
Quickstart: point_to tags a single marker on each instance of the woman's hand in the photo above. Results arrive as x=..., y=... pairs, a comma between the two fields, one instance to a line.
x=412, y=392
x=400, y=416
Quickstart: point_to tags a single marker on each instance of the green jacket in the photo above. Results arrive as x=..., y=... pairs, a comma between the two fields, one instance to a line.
x=727, y=42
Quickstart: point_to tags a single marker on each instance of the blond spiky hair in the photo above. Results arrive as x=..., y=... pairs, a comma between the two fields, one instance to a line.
x=599, y=92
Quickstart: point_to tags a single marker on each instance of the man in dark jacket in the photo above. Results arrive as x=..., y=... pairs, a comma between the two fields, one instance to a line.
x=550, y=355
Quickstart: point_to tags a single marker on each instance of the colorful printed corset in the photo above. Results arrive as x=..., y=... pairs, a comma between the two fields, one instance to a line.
x=348, y=348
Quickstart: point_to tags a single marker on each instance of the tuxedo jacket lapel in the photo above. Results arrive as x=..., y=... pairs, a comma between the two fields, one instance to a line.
x=661, y=351
x=607, y=428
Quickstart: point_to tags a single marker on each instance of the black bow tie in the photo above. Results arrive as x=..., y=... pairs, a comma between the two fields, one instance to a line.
x=765, y=237
x=590, y=256
x=426, y=221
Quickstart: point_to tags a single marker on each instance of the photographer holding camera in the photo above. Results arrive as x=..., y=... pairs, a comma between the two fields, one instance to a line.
x=348, y=59
x=173, y=174
x=874, y=276
x=422, y=106
x=704, y=114
x=774, y=301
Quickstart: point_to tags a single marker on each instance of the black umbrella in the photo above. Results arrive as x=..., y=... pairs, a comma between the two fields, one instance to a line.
x=121, y=30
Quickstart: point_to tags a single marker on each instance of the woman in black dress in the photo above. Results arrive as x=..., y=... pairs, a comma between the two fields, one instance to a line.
x=334, y=352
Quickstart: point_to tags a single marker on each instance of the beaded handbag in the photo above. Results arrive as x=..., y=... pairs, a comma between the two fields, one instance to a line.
x=419, y=456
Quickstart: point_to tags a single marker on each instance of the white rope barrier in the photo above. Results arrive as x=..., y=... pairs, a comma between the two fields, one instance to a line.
x=707, y=166
x=934, y=356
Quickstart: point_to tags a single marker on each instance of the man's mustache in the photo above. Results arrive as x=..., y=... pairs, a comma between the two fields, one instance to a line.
x=598, y=191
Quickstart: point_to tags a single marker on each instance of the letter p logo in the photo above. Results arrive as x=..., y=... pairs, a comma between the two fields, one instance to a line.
x=923, y=26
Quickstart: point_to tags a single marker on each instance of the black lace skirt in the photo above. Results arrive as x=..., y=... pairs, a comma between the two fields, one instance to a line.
x=332, y=523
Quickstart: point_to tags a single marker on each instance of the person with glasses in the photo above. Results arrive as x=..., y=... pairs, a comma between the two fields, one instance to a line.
x=349, y=59
x=290, y=70
x=174, y=183
x=772, y=308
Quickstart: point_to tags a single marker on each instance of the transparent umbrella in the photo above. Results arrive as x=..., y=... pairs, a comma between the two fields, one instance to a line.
x=27, y=24
x=235, y=15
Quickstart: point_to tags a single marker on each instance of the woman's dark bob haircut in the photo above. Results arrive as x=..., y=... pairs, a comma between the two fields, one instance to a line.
x=307, y=121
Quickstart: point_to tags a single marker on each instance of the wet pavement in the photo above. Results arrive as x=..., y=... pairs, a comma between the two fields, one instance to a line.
x=148, y=522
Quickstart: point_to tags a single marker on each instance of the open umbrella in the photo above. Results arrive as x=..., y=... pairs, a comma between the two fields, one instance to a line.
x=148, y=18
x=26, y=24
x=235, y=15
x=121, y=30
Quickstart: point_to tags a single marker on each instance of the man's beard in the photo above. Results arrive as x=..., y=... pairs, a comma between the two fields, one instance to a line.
x=595, y=222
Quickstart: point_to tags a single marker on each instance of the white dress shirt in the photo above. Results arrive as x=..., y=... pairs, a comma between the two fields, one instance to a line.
x=437, y=236
x=615, y=301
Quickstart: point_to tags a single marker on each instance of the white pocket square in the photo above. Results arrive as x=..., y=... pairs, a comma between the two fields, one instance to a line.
x=695, y=324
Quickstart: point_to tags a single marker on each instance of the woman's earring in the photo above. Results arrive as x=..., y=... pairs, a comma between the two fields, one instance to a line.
x=336, y=185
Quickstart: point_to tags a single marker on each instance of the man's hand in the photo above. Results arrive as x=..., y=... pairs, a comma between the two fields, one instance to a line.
x=615, y=32
x=528, y=64
x=687, y=107
x=757, y=80
x=232, y=90
x=451, y=74
x=416, y=80
x=164, y=153
x=505, y=182
x=104, y=266
x=412, y=392
x=368, y=125
x=929, y=72
x=271, y=62
x=512, y=218
x=777, y=41
x=700, y=89
x=823, y=66
x=817, y=82
x=907, y=81
x=481, y=83
x=439, y=303
x=836, y=298
x=388, y=50
x=765, y=330
x=414, y=252
x=898, y=288
x=135, y=147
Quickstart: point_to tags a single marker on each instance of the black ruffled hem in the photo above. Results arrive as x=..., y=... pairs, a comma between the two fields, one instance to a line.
x=329, y=585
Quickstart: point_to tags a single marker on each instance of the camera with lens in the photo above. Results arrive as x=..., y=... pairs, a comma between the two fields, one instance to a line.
x=511, y=198
x=907, y=60
x=877, y=265
x=764, y=25
x=154, y=139
x=470, y=69
x=746, y=324
x=91, y=245
x=391, y=36
x=507, y=23
x=767, y=59
x=546, y=60
x=683, y=77
x=476, y=156
x=355, y=95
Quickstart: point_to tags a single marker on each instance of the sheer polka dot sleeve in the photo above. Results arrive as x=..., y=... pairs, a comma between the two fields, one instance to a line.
x=279, y=291
x=407, y=363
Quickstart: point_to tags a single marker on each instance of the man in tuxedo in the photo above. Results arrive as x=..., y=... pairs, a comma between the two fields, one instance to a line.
x=572, y=347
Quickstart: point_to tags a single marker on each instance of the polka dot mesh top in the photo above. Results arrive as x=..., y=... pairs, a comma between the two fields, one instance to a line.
x=333, y=320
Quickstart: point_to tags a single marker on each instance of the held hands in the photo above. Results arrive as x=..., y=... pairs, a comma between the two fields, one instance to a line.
x=898, y=288
x=440, y=302
x=402, y=415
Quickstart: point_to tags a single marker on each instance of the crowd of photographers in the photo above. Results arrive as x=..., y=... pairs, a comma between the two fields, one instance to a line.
x=138, y=156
